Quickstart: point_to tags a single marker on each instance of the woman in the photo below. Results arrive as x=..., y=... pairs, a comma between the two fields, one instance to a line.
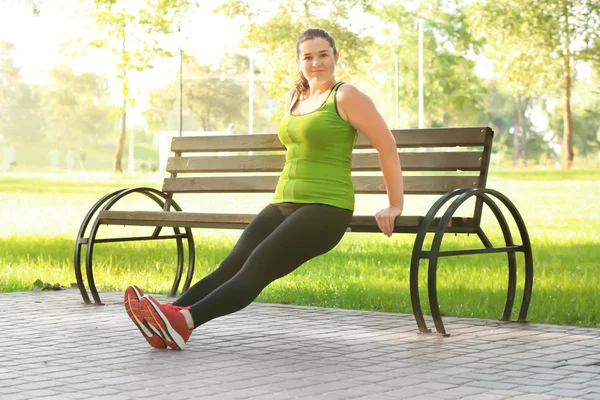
x=312, y=206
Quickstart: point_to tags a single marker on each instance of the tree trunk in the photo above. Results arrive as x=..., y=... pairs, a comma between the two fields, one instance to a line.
x=568, y=124
x=121, y=142
x=516, y=131
x=524, y=132
x=125, y=88
x=567, y=150
x=524, y=146
x=430, y=120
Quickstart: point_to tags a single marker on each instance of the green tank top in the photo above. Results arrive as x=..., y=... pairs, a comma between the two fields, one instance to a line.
x=318, y=157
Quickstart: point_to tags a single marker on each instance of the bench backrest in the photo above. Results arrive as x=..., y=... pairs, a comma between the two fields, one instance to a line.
x=446, y=158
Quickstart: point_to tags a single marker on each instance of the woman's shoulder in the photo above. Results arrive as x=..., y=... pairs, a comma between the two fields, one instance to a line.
x=348, y=90
x=349, y=93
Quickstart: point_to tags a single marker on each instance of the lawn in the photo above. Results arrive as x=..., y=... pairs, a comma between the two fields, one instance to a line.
x=40, y=215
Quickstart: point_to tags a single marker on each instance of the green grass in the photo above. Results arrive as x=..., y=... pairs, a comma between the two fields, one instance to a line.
x=39, y=218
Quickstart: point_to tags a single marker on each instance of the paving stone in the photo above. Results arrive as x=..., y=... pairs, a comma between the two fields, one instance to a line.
x=534, y=389
x=459, y=392
x=485, y=396
x=562, y=393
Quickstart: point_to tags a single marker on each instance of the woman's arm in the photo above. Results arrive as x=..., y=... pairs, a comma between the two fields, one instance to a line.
x=358, y=109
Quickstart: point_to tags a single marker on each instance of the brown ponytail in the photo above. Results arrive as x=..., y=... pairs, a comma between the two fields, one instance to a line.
x=301, y=85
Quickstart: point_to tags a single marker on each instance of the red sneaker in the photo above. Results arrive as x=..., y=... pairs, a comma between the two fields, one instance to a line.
x=168, y=319
x=133, y=295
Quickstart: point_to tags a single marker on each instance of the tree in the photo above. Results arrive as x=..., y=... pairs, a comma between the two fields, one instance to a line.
x=508, y=115
x=453, y=94
x=20, y=114
x=586, y=116
x=542, y=39
x=77, y=107
x=9, y=82
x=212, y=97
x=131, y=34
x=274, y=25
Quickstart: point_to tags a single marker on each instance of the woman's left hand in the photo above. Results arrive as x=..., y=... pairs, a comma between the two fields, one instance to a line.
x=386, y=219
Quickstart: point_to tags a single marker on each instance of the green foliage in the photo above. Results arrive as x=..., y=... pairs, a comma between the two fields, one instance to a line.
x=81, y=114
x=586, y=117
x=453, y=93
x=17, y=101
x=39, y=285
x=131, y=33
x=502, y=111
x=73, y=108
x=213, y=96
x=559, y=34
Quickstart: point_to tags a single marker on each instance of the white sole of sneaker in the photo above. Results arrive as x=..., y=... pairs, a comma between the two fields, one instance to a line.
x=170, y=331
x=140, y=324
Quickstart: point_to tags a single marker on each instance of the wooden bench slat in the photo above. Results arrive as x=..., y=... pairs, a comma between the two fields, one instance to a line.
x=362, y=184
x=413, y=161
x=434, y=137
x=360, y=223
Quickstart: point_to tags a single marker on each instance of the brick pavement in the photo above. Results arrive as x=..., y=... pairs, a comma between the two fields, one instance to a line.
x=54, y=347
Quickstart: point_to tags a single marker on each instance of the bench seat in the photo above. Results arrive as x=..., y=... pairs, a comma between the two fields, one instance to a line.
x=360, y=223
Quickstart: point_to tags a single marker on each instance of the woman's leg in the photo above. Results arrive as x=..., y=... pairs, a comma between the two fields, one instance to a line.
x=257, y=230
x=308, y=232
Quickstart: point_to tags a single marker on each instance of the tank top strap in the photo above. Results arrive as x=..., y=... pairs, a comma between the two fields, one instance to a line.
x=337, y=85
x=331, y=97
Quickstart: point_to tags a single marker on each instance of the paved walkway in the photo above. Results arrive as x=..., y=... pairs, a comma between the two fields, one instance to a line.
x=55, y=347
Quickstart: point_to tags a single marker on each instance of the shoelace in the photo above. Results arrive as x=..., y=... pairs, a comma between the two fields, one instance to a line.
x=178, y=308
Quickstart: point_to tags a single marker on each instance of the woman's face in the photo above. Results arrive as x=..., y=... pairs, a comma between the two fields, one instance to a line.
x=316, y=60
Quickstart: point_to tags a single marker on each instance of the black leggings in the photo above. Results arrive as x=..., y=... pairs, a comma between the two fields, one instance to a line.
x=276, y=242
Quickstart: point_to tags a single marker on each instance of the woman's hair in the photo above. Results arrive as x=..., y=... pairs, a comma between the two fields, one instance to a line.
x=310, y=34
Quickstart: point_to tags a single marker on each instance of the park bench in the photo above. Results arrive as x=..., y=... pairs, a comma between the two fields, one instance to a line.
x=450, y=163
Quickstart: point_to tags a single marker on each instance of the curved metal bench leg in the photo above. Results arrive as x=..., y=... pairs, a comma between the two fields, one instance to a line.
x=110, y=200
x=416, y=257
x=191, y=260
x=433, y=300
x=512, y=286
x=81, y=240
x=414, y=294
x=435, y=247
x=512, y=259
x=179, y=270
x=88, y=263
x=78, y=274
x=512, y=275
x=528, y=286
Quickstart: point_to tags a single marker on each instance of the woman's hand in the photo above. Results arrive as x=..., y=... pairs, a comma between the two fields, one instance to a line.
x=386, y=219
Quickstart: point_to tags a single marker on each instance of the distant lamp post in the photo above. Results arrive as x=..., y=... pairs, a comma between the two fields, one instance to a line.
x=421, y=80
x=251, y=55
x=397, y=88
x=179, y=18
